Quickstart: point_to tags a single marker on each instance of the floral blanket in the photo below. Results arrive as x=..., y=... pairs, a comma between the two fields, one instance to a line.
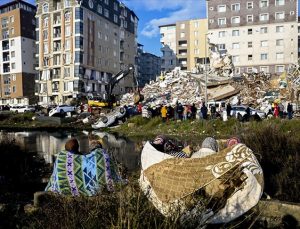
x=85, y=175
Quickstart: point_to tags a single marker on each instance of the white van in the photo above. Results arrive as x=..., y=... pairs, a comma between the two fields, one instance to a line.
x=220, y=105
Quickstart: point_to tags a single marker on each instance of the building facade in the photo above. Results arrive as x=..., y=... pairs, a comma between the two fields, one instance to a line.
x=183, y=44
x=149, y=67
x=82, y=44
x=260, y=35
x=17, y=62
x=169, y=46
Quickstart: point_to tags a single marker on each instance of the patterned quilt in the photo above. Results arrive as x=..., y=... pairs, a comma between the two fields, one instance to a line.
x=86, y=175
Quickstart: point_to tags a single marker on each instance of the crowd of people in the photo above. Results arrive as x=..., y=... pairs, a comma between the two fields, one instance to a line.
x=182, y=111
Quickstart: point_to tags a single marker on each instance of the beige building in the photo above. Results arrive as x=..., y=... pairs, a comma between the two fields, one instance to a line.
x=82, y=44
x=260, y=35
x=17, y=42
x=183, y=44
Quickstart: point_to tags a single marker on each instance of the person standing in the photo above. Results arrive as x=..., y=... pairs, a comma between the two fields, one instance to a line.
x=179, y=111
x=204, y=111
x=290, y=110
x=276, y=110
x=163, y=112
x=185, y=112
x=213, y=111
x=193, y=111
x=228, y=109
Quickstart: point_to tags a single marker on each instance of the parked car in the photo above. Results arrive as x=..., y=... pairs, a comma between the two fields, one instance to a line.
x=22, y=109
x=242, y=110
x=61, y=110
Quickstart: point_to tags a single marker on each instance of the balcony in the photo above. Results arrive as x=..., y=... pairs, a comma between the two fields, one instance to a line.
x=57, y=35
x=5, y=25
x=5, y=59
x=6, y=70
x=57, y=22
x=5, y=48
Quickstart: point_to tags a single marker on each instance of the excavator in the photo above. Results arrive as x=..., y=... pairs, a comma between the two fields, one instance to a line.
x=111, y=99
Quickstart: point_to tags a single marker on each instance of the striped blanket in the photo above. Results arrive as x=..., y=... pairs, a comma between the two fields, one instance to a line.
x=85, y=175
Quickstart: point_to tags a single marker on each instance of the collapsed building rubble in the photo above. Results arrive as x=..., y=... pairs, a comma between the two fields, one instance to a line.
x=256, y=89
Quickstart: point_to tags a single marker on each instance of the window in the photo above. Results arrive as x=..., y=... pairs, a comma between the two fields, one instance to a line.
x=292, y=12
x=14, y=77
x=45, y=34
x=235, y=59
x=196, y=33
x=66, y=72
x=279, y=15
x=106, y=37
x=116, y=8
x=196, y=51
x=45, y=8
x=222, y=34
x=106, y=2
x=12, y=54
x=221, y=46
x=99, y=9
x=264, y=69
x=106, y=13
x=264, y=17
x=235, y=7
x=279, y=2
x=182, y=34
x=249, y=18
x=235, y=45
x=68, y=44
x=12, y=31
x=11, y=19
x=250, y=57
x=237, y=70
x=12, y=42
x=249, y=31
x=249, y=70
x=196, y=24
x=264, y=3
x=221, y=21
x=182, y=26
x=221, y=8
x=115, y=18
x=279, y=68
x=250, y=44
x=125, y=24
x=45, y=22
x=68, y=16
x=264, y=43
x=249, y=5
x=264, y=56
x=235, y=20
x=196, y=42
x=67, y=3
x=14, y=89
x=235, y=33
x=279, y=42
x=13, y=65
x=67, y=30
x=279, y=29
x=211, y=21
x=67, y=58
x=279, y=55
x=263, y=30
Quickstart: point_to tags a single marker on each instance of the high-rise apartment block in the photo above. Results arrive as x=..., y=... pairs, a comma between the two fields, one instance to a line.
x=183, y=44
x=82, y=44
x=260, y=35
x=17, y=42
x=149, y=66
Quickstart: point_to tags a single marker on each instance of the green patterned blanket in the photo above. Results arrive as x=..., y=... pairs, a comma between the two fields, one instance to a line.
x=86, y=175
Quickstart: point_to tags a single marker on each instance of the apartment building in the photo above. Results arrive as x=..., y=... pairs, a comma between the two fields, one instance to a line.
x=149, y=66
x=190, y=36
x=169, y=45
x=82, y=44
x=260, y=35
x=17, y=46
x=183, y=44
